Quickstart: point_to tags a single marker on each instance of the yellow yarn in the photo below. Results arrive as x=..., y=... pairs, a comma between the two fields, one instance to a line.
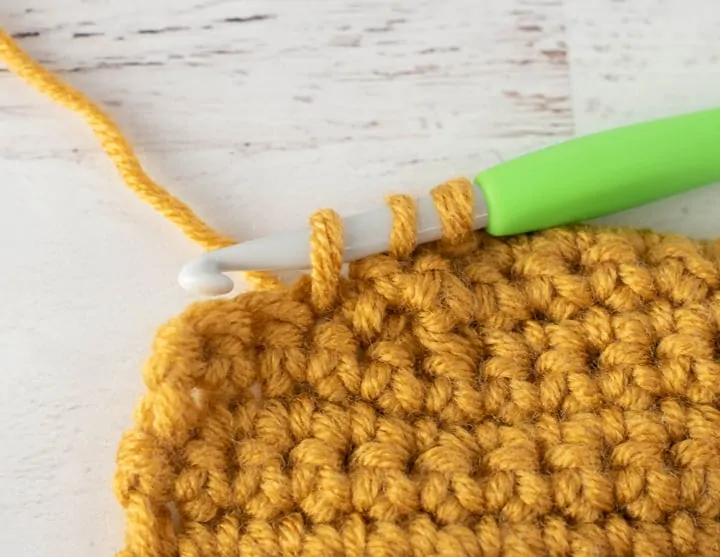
x=550, y=394
x=554, y=394
x=119, y=151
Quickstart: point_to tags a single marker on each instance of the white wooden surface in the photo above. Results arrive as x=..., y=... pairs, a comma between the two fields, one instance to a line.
x=257, y=112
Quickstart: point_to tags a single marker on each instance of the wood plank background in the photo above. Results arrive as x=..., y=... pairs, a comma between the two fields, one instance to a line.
x=257, y=113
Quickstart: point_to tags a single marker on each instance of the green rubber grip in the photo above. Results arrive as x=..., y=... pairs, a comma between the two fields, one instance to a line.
x=603, y=173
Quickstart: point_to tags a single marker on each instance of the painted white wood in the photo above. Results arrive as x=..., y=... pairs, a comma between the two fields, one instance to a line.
x=636, y=60
x=257, y=113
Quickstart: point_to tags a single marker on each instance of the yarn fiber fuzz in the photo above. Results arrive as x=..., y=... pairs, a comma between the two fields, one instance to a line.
x=548, y=394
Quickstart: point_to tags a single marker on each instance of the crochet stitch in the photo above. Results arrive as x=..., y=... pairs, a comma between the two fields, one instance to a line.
x=550, y=394
x=555, y=393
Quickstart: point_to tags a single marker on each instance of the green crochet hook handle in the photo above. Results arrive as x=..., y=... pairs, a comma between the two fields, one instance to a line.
x=602, y=173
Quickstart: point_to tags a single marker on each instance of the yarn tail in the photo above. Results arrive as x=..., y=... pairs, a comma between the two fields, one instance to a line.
x=118, y=149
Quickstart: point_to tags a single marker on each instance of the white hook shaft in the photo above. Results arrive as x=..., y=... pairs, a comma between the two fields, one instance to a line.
x=363, y=235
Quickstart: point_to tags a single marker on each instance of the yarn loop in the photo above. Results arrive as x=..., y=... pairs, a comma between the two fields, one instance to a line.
x=555, y=393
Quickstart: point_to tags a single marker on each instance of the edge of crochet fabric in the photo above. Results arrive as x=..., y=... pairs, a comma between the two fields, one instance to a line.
x=547, y=394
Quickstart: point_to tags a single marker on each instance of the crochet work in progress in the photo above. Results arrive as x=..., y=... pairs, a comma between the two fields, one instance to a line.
x=555, y=393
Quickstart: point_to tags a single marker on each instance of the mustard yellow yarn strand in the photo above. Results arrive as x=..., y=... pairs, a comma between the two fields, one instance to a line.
x=555, y=393
x=113, y=143
x=117, y=148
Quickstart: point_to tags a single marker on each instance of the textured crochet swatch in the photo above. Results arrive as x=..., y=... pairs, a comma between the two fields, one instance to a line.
x=549, y=394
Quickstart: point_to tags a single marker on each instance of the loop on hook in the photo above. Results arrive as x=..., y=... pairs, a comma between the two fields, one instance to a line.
x=403, y=237
x=326, y=251
x=454, y=203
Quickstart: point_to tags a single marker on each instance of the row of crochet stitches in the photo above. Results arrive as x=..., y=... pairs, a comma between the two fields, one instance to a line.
x=553, y=394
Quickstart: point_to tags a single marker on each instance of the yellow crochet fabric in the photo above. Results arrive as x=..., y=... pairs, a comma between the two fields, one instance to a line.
x=554, y=394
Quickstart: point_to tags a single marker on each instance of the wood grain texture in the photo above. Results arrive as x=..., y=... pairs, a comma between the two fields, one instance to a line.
x=333, y=96
x=637, y=60
x=258, y=113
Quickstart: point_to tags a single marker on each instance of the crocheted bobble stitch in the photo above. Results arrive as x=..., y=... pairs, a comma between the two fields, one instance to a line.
x=550, y=394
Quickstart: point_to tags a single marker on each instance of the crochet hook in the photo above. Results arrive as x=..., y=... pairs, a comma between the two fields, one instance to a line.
x=579, y=179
